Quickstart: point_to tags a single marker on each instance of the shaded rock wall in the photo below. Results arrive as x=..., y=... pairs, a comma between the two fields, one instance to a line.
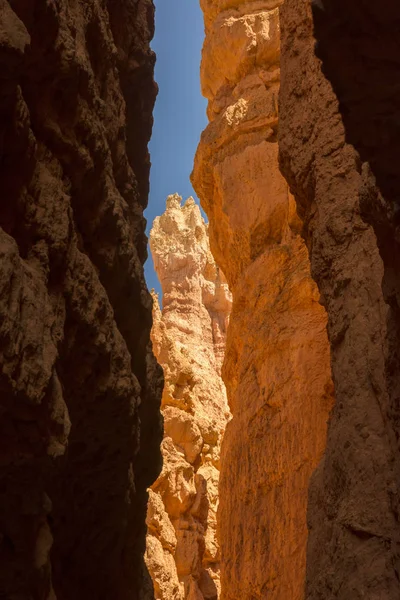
x=189, y=341
x=80, y=429
x=276, y=367
x=339, y=145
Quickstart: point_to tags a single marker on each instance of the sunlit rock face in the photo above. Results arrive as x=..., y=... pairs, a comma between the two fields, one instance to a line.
x=276, y=367
x=80, y=389
x=339, y=149
x=189, y=341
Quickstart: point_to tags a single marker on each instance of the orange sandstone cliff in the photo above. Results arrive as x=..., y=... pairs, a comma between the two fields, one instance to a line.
x=80, y=389
x=339, y=149
x=276, y=367
x=189, y=340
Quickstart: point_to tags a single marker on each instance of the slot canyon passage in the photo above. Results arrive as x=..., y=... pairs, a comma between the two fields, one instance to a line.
x=277, y=475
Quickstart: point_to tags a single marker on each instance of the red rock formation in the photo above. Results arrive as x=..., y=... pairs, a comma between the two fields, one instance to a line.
x=76, y=97
x=341, y=163
x=276, y=366
x=189, y=341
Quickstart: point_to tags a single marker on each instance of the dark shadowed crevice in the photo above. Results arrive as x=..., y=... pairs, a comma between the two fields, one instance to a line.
x=80, y=385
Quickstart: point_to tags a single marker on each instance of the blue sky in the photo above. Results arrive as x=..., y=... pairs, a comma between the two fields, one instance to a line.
x=179, y=115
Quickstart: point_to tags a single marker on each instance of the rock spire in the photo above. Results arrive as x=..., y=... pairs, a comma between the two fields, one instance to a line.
x=189, y=340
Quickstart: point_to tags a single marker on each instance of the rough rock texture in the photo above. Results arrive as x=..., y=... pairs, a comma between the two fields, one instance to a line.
x=189, y=342
x=76, y=96
x=339, y=143
x=276, y=366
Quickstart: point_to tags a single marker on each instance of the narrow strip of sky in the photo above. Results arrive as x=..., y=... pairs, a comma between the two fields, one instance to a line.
x=179, y=115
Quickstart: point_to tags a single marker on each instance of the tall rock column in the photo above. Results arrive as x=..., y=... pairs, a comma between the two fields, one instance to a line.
x=189, y=341
x=276, y=367
x=339, y=143
x=80, y=389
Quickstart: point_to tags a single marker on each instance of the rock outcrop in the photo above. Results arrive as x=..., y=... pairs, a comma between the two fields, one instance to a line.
x=276, y=368
x=339, y=148
x=189, y=340
x=80, y=388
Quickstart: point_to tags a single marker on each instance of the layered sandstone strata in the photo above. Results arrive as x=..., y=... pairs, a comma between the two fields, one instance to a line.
x=339, y=143
x=80, y=389
x=189, y=341
x=276, y=366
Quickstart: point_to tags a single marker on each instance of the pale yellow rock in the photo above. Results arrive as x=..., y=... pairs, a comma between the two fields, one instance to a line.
x=210, y=476
x=158, y=522
x=176, y=481
x=188, y=336
x=161, y=565
x=189, y=548
x=181, y=427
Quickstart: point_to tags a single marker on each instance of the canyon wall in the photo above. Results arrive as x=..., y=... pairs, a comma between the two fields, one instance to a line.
x=80, y=389
x=189, y=341
x=339, y=148
x=276, y=368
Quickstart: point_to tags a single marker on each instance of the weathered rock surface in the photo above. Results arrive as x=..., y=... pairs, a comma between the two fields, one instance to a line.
x=189, y=341
x=276, y=365
x=339, y=148
x=77, y=371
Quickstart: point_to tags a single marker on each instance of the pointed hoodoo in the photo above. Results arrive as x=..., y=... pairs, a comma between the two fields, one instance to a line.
x=189, y=340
